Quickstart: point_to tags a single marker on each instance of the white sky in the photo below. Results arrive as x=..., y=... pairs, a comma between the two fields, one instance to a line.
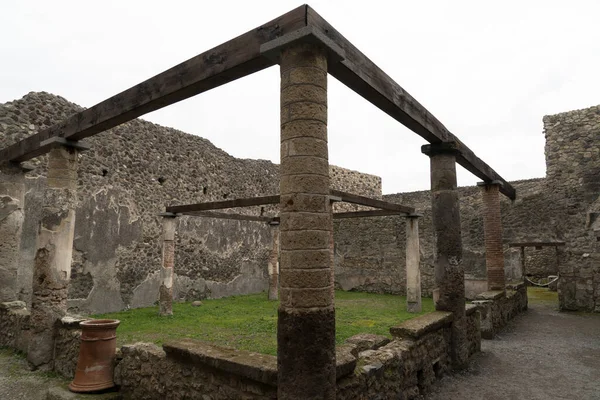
x=488, y=70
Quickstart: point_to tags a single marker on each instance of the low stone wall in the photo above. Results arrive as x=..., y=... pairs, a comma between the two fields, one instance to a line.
x=14, y=325
x=497, y=307
x=368, y=366
x=15, y=333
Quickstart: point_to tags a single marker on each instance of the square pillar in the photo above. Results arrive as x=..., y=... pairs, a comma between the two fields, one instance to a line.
x=492, y=227
x=413, y=261
x=306, y=316
x=273, y=266
x=165, y=292
x=12, y=200
x=449, y=270
x=52, y=262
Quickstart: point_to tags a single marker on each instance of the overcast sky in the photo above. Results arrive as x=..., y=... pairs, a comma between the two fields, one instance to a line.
x=488, y=70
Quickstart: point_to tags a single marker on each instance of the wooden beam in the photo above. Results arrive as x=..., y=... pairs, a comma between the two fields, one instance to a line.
x=367, y=214
x=222, y=215
x=220, y=205
x=369, y=202
x=225, y=63
x=361, y=75
x=537, y=244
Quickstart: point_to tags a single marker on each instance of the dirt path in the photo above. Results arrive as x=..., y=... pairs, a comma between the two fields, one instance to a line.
x=541, y=354
x=18, y=383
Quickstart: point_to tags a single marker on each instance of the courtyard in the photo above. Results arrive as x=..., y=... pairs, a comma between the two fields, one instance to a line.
x=249, y=322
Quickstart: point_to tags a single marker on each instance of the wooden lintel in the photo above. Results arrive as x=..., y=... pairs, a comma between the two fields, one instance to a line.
x=536, y=244
x=220, y=205
x=364, y=77
x=225, y=63
x=222, y=215
x=367, y=214
x=369, y=202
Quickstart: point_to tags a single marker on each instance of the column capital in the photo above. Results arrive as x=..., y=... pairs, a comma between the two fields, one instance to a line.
x=413, y=216
x=435, y=149
x=58, y=141
x=308, y=34
x=490, y=183
x=167, y=215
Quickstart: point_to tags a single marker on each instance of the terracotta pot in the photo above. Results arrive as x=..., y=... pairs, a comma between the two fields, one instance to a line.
x=97, y=350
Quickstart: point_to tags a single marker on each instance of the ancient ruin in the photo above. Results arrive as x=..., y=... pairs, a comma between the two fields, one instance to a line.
x=74, y=178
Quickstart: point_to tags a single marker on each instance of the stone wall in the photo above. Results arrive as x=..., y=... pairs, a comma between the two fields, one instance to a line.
x=564, y=206
x=498, y=307
x=130, y=174
x=368, y=366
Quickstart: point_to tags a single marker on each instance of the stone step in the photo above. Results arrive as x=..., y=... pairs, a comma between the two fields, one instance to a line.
x=63, y=393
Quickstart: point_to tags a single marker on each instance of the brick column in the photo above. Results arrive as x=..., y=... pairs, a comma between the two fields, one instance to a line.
x=165, y=292
x=413, y=258
x=492, y=226
x=52, y=262
x=449, y=271
x=306, y=323
x=12, y=200
x=273, y=266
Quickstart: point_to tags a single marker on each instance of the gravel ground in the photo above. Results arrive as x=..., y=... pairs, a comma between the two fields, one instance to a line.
x=541, y=354
x=17, y=382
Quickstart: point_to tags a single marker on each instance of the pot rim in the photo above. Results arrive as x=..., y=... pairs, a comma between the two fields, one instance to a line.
x=100, y=323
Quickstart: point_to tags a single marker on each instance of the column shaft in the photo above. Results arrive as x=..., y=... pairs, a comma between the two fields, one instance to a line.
x=52, y=262
x=12, y=200
x=306, y=323
x=165, y=293
x=413, y=272
x=273, y=266
x=449, y=271
x=492, y=226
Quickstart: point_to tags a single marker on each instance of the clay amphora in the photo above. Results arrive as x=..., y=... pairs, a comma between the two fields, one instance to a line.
x=97, y=352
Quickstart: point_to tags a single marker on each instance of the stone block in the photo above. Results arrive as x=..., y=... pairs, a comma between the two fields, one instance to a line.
x=417, y=327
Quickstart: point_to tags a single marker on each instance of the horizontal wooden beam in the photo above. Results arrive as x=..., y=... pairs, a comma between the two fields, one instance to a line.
x=367, y=214
x=222, y=215
x=369, y=202
x=225, y=63
x=201, y=209
x=364, y=77
x=536, y=244
x=220, y=205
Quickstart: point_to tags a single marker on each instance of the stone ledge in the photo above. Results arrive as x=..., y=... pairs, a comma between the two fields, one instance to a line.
x=72, y=321
x=13, y=305
x=490, y=295
x=345, y=360
x=255, y=366
x=367, y=341
x=417, y=327
x=471, y=309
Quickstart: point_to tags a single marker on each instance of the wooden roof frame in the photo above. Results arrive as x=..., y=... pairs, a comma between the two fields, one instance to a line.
x=242, y=56
x=206, y=209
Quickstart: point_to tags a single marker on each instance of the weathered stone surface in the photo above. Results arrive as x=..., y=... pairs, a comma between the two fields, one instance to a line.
x=127, y=178
x=497, y=308
x=366, y=341
x=193, y=370
x=415, y=328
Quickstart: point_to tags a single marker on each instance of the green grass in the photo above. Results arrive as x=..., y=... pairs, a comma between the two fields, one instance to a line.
x=249, y=322
x=541, y=295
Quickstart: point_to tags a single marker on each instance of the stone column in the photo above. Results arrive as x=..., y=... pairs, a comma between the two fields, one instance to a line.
x=449, y=271
x=306, y=323
x=273, y=266
x=413, y=258
x=52, y=262
x=165, y=292
x=492, y=226
x=12, y=200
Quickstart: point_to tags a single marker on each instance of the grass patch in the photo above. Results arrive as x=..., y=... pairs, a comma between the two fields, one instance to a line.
x=250, y=322
x=541, y=295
